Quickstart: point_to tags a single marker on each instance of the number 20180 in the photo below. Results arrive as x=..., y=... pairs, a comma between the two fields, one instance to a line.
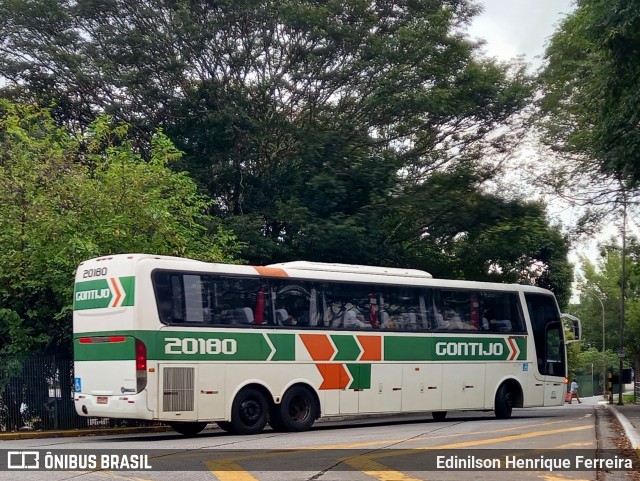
x=190, y=345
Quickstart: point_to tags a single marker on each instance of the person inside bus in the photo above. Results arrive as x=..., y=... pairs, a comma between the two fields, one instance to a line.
x=440, y=321
x=284, y=318
x=351, y=321
x=454, y=319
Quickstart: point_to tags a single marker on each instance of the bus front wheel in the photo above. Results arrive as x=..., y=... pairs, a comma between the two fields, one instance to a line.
x=504, y=402
x=188, y=429
x=297, y=412
x=249, y=412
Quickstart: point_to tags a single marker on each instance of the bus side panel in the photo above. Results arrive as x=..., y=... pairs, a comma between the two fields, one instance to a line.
x=211, y=391
x=497, y=373
x=384, y=393
x=554, y=392
x=422, y=387
x=465, y=389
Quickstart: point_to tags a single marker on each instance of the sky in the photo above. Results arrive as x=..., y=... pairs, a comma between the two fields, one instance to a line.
x=518, y=27
x=513, y=28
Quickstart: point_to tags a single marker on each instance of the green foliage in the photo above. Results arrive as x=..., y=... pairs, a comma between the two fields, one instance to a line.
x=451, y=228
x=602, y=281
x=65, y=198
x=591, y=88
x=341, y=131
x=302, y=119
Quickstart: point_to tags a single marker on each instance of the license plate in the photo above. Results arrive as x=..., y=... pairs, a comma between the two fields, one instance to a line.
x=102, y=400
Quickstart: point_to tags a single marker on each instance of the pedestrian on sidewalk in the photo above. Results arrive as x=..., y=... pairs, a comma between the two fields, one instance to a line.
x=574, y=392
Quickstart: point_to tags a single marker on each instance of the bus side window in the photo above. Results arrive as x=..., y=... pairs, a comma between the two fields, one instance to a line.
x=293, y=303
x=500, y=312
x=455, y=310
x=243, y=301
x=402, y=308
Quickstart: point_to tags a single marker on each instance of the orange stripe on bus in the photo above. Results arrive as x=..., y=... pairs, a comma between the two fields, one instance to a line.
x=118, y=295
x=334, y=376
x=270, y=271
x=372, y=346
x=319, y=346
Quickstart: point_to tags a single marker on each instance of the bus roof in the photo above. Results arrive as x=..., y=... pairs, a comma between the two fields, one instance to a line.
x=352, y=269
x=315, y=271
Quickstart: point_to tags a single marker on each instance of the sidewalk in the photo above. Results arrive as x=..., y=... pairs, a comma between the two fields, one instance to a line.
x=629, y=417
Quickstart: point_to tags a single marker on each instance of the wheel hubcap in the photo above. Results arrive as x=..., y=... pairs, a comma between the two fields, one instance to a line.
x=299, y=409
x=251, y=411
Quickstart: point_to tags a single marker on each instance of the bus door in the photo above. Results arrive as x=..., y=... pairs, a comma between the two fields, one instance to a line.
x=548, y=336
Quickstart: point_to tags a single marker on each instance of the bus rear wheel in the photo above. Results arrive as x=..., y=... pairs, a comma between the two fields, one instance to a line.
x=504, y=402
x=297, y=411
x=188, y=429
x=439, y=415
x=249, y=412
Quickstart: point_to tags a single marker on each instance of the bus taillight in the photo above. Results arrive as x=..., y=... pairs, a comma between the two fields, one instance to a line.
x=141, y=365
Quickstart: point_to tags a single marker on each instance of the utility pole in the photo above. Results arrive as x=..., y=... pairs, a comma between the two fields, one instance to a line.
x=622, y=294
x=604, y=350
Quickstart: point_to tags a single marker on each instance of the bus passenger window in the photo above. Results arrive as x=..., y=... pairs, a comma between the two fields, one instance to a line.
x=402, y=308
x=500, y=312
x=242, y=301
x=293, y=306
x=456, y=310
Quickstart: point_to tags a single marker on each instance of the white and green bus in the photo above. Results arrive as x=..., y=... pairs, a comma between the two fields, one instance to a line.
x=189, y=343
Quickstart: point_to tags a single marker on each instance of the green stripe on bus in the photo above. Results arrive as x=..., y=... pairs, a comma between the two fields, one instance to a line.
x=407, y=348
x=228, y=345
x=449, y=348
x=104, y=351
x=99, y=293
x=361, y=374
x=285, y=345
x=348, y=348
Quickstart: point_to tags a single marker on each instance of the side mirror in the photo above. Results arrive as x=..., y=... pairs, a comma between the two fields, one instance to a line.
x=573, y=324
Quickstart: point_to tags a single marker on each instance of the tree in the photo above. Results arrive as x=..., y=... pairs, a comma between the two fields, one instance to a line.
x=450, y=227
x=252, y=91
x=64, y=199
x=590, y=88
x=603, y=280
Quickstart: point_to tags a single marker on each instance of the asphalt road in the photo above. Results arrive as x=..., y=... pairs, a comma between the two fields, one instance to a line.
x=536, y=443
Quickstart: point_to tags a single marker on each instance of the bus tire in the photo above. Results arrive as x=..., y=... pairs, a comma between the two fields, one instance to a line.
x=225, y=426
x=187, y=428
x=249, y=412
x=439, y=415
x=504, y=402
x=298, y=410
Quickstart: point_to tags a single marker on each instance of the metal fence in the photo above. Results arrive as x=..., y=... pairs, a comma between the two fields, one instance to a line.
x=36, y=393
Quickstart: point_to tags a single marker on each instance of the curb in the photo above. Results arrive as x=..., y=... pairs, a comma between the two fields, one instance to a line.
x=629, y=429
x=80, y=432
x=4, y=436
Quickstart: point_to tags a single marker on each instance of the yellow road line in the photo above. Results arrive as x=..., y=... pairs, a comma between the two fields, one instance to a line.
x=229, y=470
x=481, y=442
x=377, y=470
x=560, y=477
x=368, y=466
